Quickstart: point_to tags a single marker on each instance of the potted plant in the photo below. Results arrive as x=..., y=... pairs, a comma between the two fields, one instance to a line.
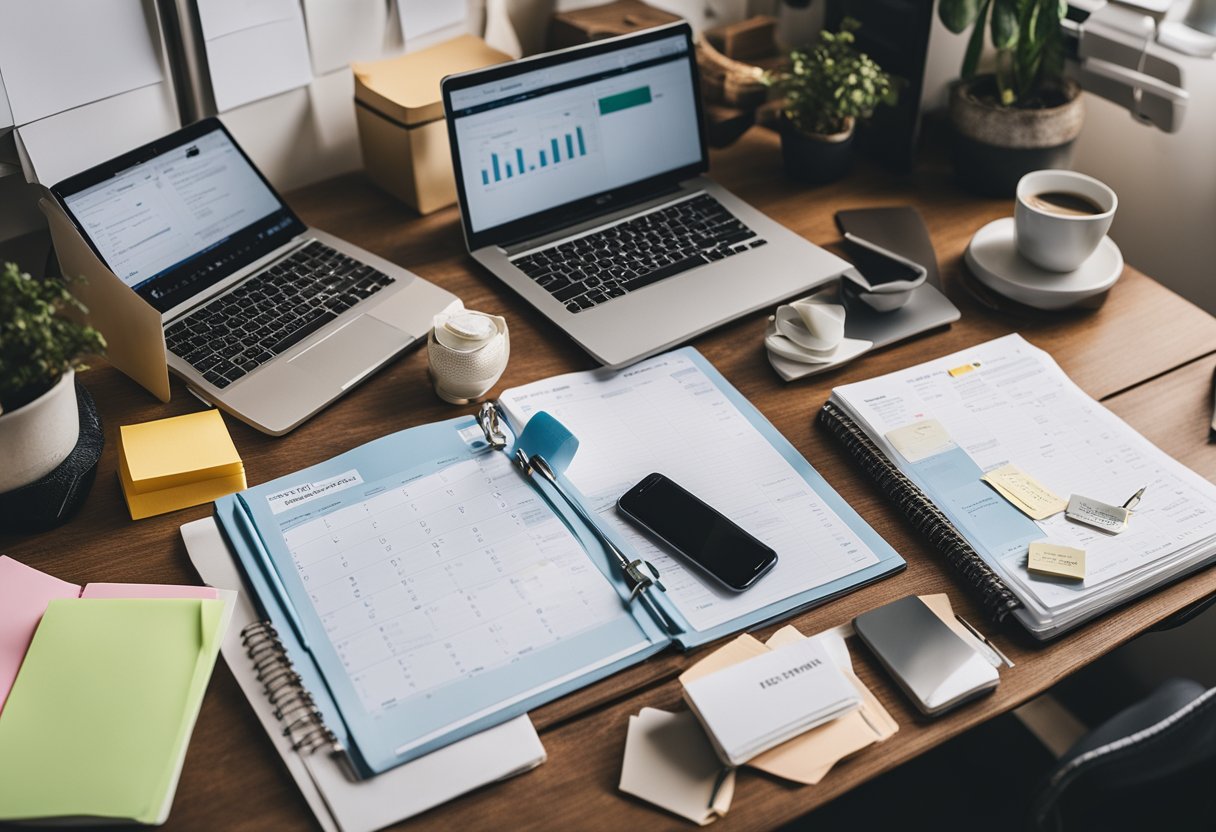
x=40, y=350
x=1023, y=116
x=827, y=89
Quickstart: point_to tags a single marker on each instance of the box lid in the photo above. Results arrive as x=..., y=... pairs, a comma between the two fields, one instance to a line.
x=406, y=88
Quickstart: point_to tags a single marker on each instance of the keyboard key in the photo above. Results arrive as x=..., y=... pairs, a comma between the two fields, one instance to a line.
x=293, y=338
x=665, y=272
x=569, y=292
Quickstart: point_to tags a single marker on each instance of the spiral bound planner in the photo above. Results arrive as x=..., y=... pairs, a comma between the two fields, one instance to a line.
x=444, y=579
x=935, y=435
x=294, y=707
x=998, y=600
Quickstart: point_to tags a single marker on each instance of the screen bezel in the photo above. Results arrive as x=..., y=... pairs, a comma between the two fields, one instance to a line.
x=537, y=224
x=119, y=164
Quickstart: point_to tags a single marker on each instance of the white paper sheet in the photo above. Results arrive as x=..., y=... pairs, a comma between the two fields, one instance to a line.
x=223, y=17
x=257, y=61
x=670, y=763
x=422, y=17
x=342, y=31
x=66, y=143
x=59, y=54
x=453, y=575
x=665, y=415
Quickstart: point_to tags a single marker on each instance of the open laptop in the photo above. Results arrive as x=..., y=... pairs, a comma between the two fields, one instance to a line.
x=263, y=316
x=580, y=186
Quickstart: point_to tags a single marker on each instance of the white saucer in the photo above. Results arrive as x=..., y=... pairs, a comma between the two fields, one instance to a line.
x=993, y=258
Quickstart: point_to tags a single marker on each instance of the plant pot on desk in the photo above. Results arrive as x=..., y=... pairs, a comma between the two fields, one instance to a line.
x=994, y=146
x=816, y=159
x=38, y=436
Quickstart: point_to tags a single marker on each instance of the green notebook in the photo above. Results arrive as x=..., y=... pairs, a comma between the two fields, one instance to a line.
x=98, y=721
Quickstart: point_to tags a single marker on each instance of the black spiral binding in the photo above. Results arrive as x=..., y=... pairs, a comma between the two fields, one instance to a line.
x=997, y=599
x=293, y=704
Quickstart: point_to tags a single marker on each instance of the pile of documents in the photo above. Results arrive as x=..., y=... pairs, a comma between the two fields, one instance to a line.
x=770, y=698
x=1014, y=455
x=175, y=463
x=99, y=690
x=671, y=762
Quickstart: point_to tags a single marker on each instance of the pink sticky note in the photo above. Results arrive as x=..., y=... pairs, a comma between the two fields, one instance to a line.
x=24, y=594
x=204, y=593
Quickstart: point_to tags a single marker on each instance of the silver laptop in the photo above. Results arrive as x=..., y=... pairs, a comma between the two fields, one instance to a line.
x=580, y=186
x=263, y=316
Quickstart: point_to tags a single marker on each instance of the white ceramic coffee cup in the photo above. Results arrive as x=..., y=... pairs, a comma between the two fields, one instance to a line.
x=1061, y=242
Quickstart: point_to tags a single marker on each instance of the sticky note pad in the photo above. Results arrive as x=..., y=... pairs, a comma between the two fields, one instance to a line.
x=176, y=463
x=97, y=723
x=1026, y=493
x=177, y=451
x=920, y=440
x=1048, y=558
x=962, y=370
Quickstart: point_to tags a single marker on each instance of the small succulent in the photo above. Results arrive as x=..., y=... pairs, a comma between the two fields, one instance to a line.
x=38, y=344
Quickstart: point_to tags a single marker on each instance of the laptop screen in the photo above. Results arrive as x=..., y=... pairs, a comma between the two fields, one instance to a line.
x=176, y=216
x=547, y=133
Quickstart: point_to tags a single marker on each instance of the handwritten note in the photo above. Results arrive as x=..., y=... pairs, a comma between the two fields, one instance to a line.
x=1047, y=558
x=1026, y=493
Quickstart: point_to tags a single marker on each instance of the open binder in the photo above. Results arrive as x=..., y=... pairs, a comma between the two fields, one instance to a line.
x=446, y=578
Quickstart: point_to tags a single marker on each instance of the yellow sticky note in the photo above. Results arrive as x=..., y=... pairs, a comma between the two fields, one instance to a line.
x=962, y=370
x=920, y=440
x=1027, y=494
x=183, y=449
x=1048, y=558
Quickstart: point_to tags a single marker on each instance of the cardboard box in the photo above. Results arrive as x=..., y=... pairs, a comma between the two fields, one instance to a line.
x=399, y=110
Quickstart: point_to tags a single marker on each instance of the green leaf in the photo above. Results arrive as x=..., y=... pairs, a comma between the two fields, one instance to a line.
x=1004, y=23
x=957, y=15
x=976, y=44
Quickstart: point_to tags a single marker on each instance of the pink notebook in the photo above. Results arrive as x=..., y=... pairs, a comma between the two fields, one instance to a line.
x=25, y=593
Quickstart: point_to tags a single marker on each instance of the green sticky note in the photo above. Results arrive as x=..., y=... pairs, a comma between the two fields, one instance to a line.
x=98, y=721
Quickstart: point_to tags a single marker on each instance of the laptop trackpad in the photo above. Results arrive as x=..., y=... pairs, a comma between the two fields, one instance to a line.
x=352, y=351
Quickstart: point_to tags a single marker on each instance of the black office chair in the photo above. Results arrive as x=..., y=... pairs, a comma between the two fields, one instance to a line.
x=1152, y=766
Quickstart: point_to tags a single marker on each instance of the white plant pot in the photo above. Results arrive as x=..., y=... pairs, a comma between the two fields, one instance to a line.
x=35, y=438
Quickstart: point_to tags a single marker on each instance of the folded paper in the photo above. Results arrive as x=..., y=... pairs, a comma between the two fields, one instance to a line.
x=669, y=762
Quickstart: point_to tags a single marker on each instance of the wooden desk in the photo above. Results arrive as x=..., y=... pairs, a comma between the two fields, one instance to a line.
x=1147, y=353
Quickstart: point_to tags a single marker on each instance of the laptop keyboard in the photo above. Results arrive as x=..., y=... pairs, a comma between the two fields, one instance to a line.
x=607, y=264
x=271, y=312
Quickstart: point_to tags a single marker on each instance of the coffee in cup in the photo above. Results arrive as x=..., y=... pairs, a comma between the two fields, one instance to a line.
x=1060, y=217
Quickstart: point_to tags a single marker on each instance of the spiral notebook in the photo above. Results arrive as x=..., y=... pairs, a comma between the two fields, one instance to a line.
x=429, y=586
x=1007, y=402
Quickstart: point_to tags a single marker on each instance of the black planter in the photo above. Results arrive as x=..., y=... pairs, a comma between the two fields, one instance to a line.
x=989, y=170
x=816, y=160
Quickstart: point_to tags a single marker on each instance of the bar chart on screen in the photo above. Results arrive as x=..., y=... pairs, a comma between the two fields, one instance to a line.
x=525, y=148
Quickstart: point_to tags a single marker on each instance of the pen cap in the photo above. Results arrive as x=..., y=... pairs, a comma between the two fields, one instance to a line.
x=467, y=353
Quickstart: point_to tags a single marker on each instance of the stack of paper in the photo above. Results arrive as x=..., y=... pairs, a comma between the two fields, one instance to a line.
x=179, y=462
x=97, y=723
x=763, y=701
x=1000, y=448
x=108, y=683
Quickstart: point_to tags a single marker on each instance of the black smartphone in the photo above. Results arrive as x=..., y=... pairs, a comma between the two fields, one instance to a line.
x=698, y=532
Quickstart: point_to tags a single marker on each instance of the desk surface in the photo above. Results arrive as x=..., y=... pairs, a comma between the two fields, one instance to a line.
x=1146, y=353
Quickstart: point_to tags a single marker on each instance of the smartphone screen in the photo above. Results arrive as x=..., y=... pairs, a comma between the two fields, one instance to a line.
x=698, y=532
x=877, y=268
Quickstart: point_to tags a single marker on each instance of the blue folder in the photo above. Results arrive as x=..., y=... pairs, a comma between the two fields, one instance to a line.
x=379, y=740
